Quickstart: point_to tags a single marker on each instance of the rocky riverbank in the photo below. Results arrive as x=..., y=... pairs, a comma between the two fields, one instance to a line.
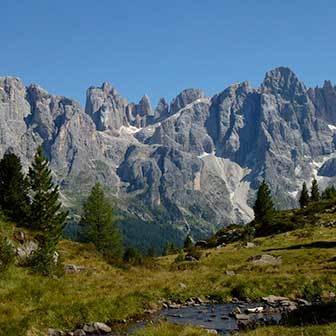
x=216, y=318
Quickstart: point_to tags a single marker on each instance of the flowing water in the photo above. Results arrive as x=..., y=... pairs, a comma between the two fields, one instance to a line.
x=209, y=316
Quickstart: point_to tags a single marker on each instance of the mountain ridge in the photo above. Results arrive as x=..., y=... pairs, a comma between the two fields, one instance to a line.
x=198, y=159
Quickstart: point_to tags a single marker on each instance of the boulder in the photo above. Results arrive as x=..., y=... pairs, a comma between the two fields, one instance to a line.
x=26, y=249
x=102, y=327
x=266, y=259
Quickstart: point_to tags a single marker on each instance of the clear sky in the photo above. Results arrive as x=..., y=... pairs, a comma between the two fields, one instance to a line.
x=160, y=47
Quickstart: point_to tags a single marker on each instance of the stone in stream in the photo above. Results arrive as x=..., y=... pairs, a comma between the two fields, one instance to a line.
x=274, y=299
x=254, y=310
x=241, y=317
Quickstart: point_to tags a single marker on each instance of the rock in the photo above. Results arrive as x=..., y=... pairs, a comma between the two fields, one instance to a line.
x=89, y=328
x=212, y=331
x=328, y=168
x=72, y=268
x=236, y=310
x=26, y=249
x=190, y=258
x=20, y=236
x=241, y=317
x=255, y=310
x=200, y=156
x=303, y=302
x=230, y=273
x=55, y=332
x=79, y=332
x=274, y=299
x=250, y=245
x=266, y=259
x=102, y=327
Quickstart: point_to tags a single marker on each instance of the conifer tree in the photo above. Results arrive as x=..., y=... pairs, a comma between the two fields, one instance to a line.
x=263, y=206
x=99, y=224
x=329, y=193
x=46, y=215
x=14, y=199
x=188, y=243
x=315, y=194
x=304, y=197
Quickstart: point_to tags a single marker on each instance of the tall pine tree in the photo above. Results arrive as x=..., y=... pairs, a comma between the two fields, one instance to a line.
x=46, y=215
x=99, y=225
x=14, y=199
x=263, y=206
x=315, y=194
x=304, y=197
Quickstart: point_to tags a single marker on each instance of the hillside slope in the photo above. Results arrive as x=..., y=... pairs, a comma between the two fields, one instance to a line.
x=100, y=292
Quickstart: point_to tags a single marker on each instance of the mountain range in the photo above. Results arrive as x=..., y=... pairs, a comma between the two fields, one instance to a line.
x=191, y=165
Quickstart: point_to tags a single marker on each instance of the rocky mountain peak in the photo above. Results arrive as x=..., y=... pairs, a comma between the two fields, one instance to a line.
x=162, y=109
x=327, y=85
x=324, y=100
x=185, y=98
x=283, y=81
x=106, y=107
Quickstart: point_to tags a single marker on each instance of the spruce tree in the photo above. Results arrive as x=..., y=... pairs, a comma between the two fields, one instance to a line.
x=304, y=197
x=263, y=206
x=14, y=199
x=46, y=215
x=315, y=194
x=99, y=225
x=329, y=193
x=188, y=243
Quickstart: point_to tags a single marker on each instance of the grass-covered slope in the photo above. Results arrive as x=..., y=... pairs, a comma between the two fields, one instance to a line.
x=30, y=304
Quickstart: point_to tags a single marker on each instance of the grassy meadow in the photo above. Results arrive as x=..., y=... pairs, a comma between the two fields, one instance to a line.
x=30, y=304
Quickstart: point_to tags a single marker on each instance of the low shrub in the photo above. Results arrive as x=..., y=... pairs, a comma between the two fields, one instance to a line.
x=7, y=254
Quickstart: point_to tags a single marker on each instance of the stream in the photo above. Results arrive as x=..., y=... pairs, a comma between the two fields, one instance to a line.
x=217, y=317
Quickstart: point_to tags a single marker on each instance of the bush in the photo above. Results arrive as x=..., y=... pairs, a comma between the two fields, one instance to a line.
x=311, y=291
x=7, y=254
x=133, y=256
x=180, y=257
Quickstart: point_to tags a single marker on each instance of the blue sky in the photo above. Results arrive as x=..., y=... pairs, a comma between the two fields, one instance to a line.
x=160, y=47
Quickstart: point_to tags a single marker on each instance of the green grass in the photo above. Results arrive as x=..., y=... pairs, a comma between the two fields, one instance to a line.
x=29, y=304
x=319, y=330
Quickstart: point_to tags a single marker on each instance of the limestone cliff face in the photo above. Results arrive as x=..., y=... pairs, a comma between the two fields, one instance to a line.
x=199, y=158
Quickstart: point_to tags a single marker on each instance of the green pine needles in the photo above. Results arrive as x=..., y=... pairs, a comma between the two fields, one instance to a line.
x=46, y=215
x=14, y=189
x=304, y=196
x=99, y=225
x=263, y=206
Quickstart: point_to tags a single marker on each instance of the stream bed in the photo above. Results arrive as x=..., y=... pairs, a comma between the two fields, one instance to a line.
x=219, y=317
